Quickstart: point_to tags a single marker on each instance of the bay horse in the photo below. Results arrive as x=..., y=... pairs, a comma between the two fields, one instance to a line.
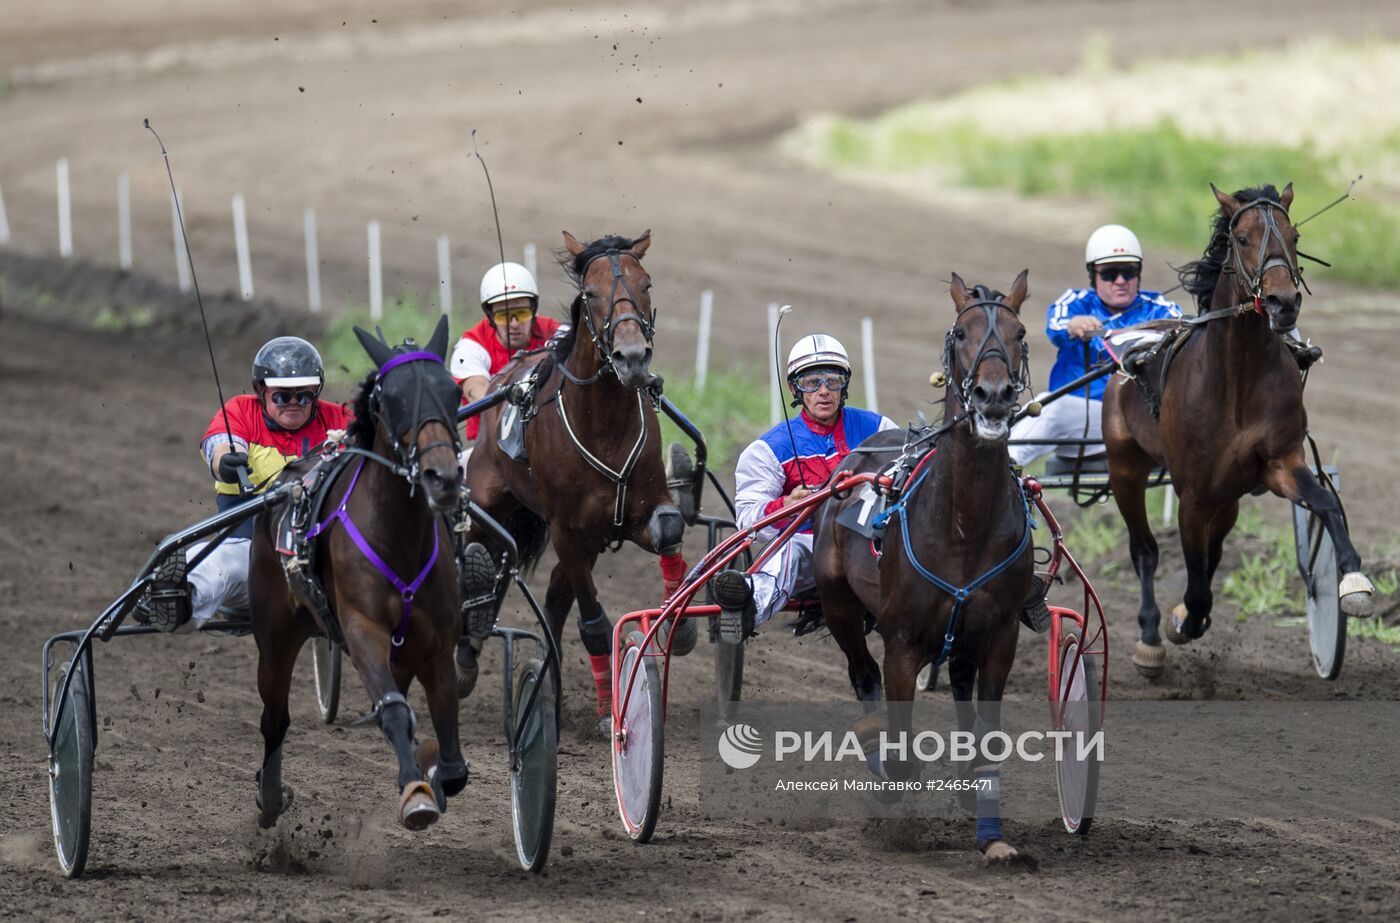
x=384, y=561
x=593, y=475
x=957, y=561
x=1231, y=417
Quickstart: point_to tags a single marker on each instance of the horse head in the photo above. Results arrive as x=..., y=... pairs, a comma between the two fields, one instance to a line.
x=414, y=403
x=1263, y=251
x=985, y=358
x=614, y=302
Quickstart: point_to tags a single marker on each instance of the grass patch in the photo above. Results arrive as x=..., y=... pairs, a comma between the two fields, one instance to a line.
x=1096, y=534
x=133, y=317
x=346, y=361
x=1264, y=584
x=1375, y=630
x=1176, y=132
x=731, y=413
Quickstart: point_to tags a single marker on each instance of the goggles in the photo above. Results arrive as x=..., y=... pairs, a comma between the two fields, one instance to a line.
x=300, y=398
x=1113, y=273
x=518, y=315
x=813, y=382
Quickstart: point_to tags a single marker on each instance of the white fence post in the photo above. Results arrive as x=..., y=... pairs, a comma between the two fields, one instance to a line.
x=867, y=359
x=702, y=340
x=240, y=243
x=1168, y=506
x=530, y=262
x=124, y=222
x=376, y=279
x=182, y=259
x=313, y=261
x=445, y=276
x=65, y=211
x=775, y=394
x=4, y=223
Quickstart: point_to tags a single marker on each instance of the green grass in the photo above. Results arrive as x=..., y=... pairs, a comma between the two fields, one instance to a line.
x=1158, y=178
x=1375, y=630
x=345, y=359
x=1097, y=533
x=731, y=413
x=1266, y=584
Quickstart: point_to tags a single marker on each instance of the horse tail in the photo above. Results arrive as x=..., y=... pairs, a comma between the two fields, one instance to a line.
x=531, y=534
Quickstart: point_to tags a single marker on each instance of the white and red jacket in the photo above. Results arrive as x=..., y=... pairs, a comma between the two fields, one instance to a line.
x=768, y=469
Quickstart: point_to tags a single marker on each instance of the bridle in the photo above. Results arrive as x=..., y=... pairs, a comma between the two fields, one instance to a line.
x=437, y=412
x=991, y=347
x=603, y=338
x=1252, y=284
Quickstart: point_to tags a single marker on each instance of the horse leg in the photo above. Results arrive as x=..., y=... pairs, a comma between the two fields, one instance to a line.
x=1293, y=480
x=999, y=655
x=594, y=627
x=845, y=618
x=1220, y=527
x=369, y=646
x=902, y=662
x=277, y=654
x=444, y=763
x=1129, y=468
x=1190, y=620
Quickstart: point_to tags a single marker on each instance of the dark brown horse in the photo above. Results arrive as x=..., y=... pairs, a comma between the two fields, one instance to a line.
x=594, y=474
x=1231, y=419
x=957, y=559
x=384, y=558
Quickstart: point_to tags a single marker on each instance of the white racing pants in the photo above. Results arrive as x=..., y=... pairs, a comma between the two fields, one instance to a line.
x=1060, y=419
x=787, y=573
x=220, y=579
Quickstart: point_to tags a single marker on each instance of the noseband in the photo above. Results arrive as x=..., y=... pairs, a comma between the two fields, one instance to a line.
x=991, y=347
x=603, y=339
x=438, y=412
x=1252, y=284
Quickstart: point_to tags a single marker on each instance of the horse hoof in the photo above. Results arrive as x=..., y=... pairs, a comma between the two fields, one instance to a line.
x=1355, y=593
x=998, y=853
x=267, y=818
x=1176, y=621
x=1150, y=659
x=605, y=728
x=418, y=807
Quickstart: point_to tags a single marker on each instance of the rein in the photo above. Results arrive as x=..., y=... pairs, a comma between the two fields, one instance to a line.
x=987, y=349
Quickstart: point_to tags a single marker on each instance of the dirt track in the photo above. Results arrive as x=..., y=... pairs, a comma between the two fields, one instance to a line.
x=97, y=460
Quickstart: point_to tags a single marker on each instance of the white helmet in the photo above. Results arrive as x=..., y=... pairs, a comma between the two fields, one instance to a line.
x=816, y=350
x=1112, y=243
x=507, y=280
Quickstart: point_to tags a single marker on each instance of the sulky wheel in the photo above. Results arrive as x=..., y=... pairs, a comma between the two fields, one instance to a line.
x=534, y=773
x=1327, y=625
x=638, y=746
x=325, y=659
x=1079, y=710
x=72, y=737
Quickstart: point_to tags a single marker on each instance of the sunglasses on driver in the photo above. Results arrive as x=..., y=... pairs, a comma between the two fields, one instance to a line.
x=1113, y=273
x=300, y=398
x=518, y=315
x=811, y=384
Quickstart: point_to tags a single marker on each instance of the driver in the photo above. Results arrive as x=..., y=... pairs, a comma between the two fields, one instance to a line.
x=283, y=419
x=781, y=467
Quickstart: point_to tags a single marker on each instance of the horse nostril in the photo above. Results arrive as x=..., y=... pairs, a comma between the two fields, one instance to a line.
x=979, y=393
x=1008, y=393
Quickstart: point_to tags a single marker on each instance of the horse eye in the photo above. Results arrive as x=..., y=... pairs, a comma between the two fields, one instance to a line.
x=959, y=333
x=1242, y=238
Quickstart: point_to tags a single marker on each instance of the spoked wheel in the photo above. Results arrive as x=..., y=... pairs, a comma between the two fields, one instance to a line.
x=1327, y=624
x=638, y=746
x=325, y=658
x=729, y=677
x=534, y=774
x=73, y=731
x=1080, y=712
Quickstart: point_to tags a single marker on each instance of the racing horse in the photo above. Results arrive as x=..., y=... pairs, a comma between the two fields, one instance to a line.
x=591, y=473
x=956, y=564
x=384, y=566
x=1231, y=418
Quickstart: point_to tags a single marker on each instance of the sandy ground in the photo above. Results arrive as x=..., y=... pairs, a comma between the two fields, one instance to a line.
x=96, y=460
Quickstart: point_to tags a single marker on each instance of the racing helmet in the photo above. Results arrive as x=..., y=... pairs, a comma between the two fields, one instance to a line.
x=817, y=350
x=505, y=281
x=287, y=362
x=1112, y=243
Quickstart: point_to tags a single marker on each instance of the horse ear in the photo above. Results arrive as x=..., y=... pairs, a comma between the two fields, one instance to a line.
x=571, y=244
x=1228, y=205
x=1019, y=290
x=377, y=350
x=438, y=344
x=958, y=290
x=639, y=246
x=1286, y=197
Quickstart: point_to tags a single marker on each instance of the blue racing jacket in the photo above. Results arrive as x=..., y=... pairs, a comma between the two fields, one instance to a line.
x=1069, y=363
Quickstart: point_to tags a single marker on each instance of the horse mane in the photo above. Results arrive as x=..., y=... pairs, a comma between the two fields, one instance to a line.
x=986, y=293
x=574, y=267
x=361, y=429
x=1199, y=277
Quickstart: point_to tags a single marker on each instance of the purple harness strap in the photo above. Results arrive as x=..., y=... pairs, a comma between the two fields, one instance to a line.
x=420, y=356
x=406, y=590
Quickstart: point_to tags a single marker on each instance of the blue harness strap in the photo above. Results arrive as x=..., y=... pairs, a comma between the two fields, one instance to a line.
x=959, y=594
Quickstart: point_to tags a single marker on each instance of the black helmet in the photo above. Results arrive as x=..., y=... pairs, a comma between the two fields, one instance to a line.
x=287, y=362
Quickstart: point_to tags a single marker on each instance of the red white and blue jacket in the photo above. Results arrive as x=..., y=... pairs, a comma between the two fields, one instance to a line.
x=769, y=469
